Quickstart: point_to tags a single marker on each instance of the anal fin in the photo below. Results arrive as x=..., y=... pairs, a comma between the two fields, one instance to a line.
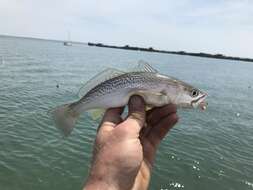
x=96, y=113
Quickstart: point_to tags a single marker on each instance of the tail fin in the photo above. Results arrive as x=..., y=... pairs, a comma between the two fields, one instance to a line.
x=65, y=118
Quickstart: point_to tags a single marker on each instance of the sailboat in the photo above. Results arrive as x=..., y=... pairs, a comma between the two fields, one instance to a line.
x=2, y=60
x=67, y=43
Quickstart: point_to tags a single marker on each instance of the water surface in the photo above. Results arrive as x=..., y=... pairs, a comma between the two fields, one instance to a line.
x=206, y=150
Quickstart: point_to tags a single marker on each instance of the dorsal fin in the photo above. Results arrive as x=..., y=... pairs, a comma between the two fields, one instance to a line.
x=145, y=67
x=99, y=78
x=111, y=73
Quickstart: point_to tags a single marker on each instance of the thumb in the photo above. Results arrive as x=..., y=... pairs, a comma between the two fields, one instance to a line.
x=136, y=113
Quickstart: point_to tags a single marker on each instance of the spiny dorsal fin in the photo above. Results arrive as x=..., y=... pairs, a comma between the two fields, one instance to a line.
x=145, y=67
x=111, y=73
x=99, y=78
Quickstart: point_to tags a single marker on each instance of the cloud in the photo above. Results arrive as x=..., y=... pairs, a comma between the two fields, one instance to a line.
x=191, y=25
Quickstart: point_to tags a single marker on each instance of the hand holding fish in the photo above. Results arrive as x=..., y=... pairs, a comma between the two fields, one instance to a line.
x=125, y=150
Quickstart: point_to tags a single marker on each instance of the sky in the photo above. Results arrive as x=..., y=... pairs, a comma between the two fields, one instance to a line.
x=212, y=26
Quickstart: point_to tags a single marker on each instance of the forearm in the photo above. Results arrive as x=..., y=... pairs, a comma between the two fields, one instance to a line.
x=99, y=178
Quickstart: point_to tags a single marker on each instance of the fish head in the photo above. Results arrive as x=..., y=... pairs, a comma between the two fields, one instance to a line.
x=191, y=97
x=184, y=95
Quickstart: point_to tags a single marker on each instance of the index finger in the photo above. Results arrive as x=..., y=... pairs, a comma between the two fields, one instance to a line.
x=159, y=131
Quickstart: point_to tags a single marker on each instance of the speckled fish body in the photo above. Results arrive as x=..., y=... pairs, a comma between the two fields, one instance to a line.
x=154, y=88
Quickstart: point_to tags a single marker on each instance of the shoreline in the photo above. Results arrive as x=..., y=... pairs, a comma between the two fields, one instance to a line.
x=150, y=49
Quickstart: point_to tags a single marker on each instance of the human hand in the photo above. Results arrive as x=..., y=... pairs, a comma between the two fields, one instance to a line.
x=124, y=150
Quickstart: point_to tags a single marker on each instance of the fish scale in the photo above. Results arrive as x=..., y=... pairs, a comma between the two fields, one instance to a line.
x=129, y=80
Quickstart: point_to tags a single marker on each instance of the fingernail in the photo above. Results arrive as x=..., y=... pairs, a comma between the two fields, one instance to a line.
x=136, y=101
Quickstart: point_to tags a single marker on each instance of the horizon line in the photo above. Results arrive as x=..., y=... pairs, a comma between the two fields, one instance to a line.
x=86, y=43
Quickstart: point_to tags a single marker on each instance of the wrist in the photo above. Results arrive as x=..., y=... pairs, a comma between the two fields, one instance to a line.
x=102, y=175
x=97, y=183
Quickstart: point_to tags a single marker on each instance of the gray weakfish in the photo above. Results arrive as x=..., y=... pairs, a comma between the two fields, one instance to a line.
x=112, y=88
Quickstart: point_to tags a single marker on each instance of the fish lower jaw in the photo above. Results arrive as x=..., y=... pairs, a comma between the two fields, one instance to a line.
x=200, y=104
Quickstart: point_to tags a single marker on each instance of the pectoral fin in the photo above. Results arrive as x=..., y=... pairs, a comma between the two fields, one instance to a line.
x=147, y=108
x=153, y=99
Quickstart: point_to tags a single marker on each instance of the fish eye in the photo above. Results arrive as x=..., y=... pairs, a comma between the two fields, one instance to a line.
x=194, y=93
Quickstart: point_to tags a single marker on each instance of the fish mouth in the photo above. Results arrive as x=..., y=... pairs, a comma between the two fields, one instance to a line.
x=200, y=101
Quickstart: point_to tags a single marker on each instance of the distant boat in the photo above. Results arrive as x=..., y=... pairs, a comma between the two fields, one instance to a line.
x=68, y=43
x=2, y=60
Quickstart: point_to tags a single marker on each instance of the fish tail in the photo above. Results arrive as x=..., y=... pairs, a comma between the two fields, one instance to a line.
x=65, y=118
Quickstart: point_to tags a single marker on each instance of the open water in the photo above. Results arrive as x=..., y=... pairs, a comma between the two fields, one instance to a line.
x=205, y=151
